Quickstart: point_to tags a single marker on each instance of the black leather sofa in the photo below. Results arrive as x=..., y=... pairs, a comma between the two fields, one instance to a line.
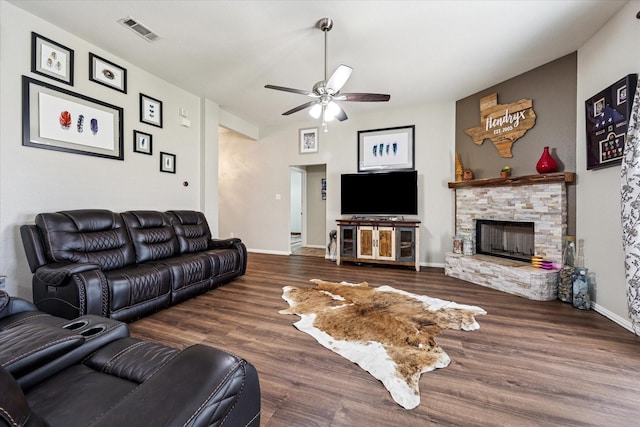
x=125, y=265
x=89, y=372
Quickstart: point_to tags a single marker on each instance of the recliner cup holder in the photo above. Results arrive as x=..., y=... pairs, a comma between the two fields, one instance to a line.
x=76, y=325
x=94, y=330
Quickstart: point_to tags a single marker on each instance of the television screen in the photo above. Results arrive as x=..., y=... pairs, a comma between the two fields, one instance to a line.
x=384, y=193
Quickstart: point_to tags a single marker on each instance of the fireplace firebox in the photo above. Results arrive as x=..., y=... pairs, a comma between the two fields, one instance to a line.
x=505, y=239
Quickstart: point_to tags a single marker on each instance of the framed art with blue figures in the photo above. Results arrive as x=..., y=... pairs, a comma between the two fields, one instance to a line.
x=607, y=120
x=386, y=149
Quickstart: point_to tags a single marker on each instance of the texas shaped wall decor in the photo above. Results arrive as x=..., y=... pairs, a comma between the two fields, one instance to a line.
x=503, y=124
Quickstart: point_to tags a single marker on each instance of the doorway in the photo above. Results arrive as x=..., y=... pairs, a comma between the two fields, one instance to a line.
x=308, y=211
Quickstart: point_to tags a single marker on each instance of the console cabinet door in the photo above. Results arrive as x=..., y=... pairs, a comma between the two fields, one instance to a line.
x=385, y=243
x=348, y=242
x=406, y=249
x=366, y=241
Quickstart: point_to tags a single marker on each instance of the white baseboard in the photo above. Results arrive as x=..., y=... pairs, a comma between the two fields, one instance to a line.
x=315, y=246
x=270, y=252
x=432, y=264
x=625, y=323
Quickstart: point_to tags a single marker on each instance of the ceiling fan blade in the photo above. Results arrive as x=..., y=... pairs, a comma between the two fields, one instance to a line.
x=299, y=107
x=288, y=89
x=338, y=78
x=363, y=97
x=341, y=115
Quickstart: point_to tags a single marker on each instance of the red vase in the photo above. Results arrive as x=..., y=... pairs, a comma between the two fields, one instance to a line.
x=546, y=164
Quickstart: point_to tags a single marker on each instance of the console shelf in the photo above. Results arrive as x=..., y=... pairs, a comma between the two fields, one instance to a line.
x=379, y=241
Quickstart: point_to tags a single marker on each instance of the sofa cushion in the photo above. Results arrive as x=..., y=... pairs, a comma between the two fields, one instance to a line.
x=147, y=284
x=192, y=230
x=152, y=235
x=86, y=236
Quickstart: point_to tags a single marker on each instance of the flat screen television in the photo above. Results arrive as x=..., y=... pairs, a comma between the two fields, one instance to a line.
x=383, y=193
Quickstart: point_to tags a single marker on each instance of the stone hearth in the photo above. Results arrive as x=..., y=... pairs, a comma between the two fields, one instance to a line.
x=541, y=199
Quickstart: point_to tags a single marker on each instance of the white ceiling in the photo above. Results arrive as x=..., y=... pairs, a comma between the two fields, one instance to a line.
x=420, y=52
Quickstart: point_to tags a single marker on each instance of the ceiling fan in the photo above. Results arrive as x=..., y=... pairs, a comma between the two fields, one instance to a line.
x=326, y=92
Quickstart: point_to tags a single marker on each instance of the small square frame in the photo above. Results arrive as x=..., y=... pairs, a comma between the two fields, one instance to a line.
x=167, y=162
x=150, y=110
x=107, y=73
x=51, y=59
x=142, y=142
x=308, y=140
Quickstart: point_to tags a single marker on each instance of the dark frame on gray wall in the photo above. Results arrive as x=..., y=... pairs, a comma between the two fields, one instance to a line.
x=607, y=120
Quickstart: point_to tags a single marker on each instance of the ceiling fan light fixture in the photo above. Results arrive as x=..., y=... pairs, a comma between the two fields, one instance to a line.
x=316, y=111
x=331, y=111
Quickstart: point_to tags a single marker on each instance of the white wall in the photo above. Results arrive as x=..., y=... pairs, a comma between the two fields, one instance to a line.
x=253, y=172
x=34, y=180
x=607, y=57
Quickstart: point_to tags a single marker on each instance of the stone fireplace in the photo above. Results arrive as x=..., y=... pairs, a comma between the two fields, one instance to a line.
x=511, y=207
x=505, y=239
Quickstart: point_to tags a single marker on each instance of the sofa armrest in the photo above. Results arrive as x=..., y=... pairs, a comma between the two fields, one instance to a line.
x=12, y=305
x=71, y=290
x=223, y=243
x=58, y=274
x=14, y=407
x=208, y=387
x=28, y=346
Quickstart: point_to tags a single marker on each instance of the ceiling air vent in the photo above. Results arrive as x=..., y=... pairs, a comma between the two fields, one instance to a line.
x=137, y=27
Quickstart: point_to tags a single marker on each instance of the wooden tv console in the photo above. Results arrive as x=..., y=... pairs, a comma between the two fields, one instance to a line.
x=379, y=241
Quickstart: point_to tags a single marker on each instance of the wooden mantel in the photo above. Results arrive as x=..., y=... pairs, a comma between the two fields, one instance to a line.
x=547, y=178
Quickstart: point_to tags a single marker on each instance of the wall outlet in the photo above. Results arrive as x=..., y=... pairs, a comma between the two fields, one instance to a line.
x=2, y=279
x=231, y=234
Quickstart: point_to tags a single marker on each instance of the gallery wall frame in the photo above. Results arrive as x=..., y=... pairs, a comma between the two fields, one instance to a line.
x=51, y=59
x=142, y=142
x=107, y=73
x=386, y=149
x=607, y=119
x=167, y=162
x=57, y=119
x=150, y=110
x=308, y=140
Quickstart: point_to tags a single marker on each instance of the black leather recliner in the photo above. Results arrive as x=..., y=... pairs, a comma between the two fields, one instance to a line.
x=89, y=372
x=125, y=266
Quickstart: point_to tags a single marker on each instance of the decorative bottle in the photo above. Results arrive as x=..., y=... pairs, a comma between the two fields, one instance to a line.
x=546, y=164
x=565, y=286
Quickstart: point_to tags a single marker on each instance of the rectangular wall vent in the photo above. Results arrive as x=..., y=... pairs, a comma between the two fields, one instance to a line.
x=140, y=29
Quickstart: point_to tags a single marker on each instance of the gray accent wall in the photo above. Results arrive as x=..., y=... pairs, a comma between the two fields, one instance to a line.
x=552, y=88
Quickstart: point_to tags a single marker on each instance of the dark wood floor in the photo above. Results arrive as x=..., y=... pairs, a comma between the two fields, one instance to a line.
x=530, y=363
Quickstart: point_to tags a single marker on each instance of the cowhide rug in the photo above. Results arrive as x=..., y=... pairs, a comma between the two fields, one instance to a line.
x=388, y=332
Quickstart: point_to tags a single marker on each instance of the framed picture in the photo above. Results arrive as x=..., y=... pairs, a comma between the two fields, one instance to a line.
x=308, y=140
x=58, y=119
x=51, y=59
x=386, y=149
x=142, y=142
x=107, y=73
x=167, y=162
x=607, y=119
x=323, y=188
x=150, y=110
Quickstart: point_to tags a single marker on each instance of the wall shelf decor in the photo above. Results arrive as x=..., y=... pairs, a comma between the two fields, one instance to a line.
x=150, y=110
x=58, y=119
x=51, y=59
x=607, y=119
x=107, y=73
x=386, y=149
